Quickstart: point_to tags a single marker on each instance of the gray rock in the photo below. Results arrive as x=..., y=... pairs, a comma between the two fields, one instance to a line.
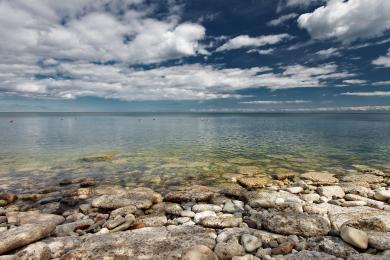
x=311, y=197
x=308, y=255
x=23, y=235
x=199, y=252
x=36, y=251
x=379, y=240
x=221, y=221
x=331, y=245
x=291, y=223
x=226, y=251
x=152, y=220
x=70, y=228
x=146, y=243
x=250, y=243
x=123, y=211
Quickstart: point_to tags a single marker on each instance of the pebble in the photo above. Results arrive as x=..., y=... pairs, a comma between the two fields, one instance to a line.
x=203, y=214
x=187, y=213
x=353, y=236
x=295, y=190
x=250, y=243
x=199, y=252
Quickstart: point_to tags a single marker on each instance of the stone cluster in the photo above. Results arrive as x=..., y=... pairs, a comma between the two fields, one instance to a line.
x=315, y=215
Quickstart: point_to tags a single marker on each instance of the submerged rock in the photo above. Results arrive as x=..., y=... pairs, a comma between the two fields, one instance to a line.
x=254, y=182
x=194, y=193
x=320, y=177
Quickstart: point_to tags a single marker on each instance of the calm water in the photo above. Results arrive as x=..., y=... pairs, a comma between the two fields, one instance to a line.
x=172, y=149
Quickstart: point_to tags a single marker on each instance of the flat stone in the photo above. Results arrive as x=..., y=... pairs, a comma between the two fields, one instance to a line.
x=254, y=182
x=290, y=223
x=221, y=221
x=363, y=178
x=379, y=240
x=331, y=245
x=158, y=243
x=281, y=176
x=69, y=229
x=339, y=215
x=331, y=191
x=199, y=252
x=320, y=177
x=250, y=242
x=356, y=189
x=226, y=251
x=23, y=235
x=206, y=207
x=142, y=198
x=33, y=217
x=353, y=236
x=321, y=209
x=370, y=202
x=311, y=197
x=187, y=213
x=61, y=245
x=270, y=199
x=193, y=193
x=35, y=251
x=152, y=220
x=123, y=211
x=353, y=203
x=309, y=255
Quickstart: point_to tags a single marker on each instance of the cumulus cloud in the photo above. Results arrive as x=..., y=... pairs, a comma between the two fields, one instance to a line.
x=99, y=30
x=281, y=19
x=348, y=20
x=368, y=94
x=244, y=41
x=383, y=60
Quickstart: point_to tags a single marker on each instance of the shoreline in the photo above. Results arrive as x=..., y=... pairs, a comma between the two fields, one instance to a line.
x=315, y=215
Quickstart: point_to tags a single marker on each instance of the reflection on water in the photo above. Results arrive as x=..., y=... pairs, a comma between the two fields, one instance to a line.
x=172, y=149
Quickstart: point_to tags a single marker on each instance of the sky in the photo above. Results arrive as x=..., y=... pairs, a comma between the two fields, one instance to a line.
x=195, y=55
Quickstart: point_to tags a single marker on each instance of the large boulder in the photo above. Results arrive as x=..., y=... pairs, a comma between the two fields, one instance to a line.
x=145, y=243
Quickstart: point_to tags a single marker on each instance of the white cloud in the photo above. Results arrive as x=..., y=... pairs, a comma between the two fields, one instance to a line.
x=99, y=30
x=331, y=52
x=262, y=52
x=348, y=20
x=383, y=60
x=244, y=41
x=181, y=82
x=275, y=102
x=368, y=94
x=280, y=20
x=302, y=2
x=382, y=83
x=355, y=81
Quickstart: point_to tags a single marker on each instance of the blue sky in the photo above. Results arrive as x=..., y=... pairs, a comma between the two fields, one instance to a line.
x=195, y=55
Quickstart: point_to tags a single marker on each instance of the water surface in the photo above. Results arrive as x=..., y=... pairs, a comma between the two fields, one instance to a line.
x=161, y=150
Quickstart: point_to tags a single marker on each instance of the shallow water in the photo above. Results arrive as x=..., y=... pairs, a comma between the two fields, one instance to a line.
x=161, y=150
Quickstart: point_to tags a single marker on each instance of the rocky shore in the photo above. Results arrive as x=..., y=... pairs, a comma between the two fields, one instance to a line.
x=315, y=215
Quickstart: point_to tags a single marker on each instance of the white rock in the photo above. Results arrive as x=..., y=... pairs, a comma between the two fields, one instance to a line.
x=250, y=243
x=354, y=236
x=187, y=213
x=311, y=197
x=104, y=231
x=206, y=207
x=382, y=195
x=330, y=191
x=203, y=214
x=294, y=190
